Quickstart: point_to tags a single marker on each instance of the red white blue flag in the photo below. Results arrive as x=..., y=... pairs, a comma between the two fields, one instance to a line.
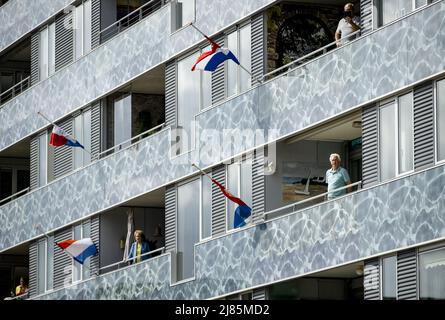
x=60, y=138
x=79, y=249
x=210, y=60
x=242, y=212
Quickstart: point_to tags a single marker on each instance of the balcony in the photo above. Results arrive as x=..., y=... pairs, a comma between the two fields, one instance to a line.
x=278, y=108
x=107, y=67
x=20, y=17
x=390, y=216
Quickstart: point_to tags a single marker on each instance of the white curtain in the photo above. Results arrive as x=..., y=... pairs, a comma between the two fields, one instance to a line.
x=130, y=228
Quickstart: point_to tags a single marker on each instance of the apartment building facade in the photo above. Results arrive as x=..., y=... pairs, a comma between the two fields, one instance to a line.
x=116, y=75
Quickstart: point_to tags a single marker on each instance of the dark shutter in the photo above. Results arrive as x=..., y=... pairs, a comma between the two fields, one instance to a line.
x=170, y=218
x=63, y=156
x=64, y=40
x=370, y=145
x=62, y=261
x=96, y=128
x=423, y=126
x=259, y=294
x=218, y=202
x=365, y=16
x=33, y=268
x=218, y=84
x=35, y=40
x=170, y=93
x=258, y=46
x=371, y=280
x=95, y=23
x=34, y=163
x=258, y=185
x=407, y=275
x=95, y=237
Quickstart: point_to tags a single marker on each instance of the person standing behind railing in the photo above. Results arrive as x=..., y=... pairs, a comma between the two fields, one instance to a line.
x=347, y=25
x=138, y=248
x=337, y=177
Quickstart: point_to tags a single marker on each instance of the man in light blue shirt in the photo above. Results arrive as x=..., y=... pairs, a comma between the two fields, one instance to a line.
x=337, y=177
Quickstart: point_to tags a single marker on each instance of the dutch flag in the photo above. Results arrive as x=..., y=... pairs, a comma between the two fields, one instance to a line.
x=61, y=138
x=79, y=249
x=210, y=60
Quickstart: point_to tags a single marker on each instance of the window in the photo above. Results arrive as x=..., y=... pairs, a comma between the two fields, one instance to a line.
x=406, y=134
x=206, y=207
x=238, y=80
x=47, y=51
x=391, y=10
x=431, y=274
x=81, y=272
x=183, y=12
x=389, y=278
x=43, y=159
x=239, y=183
x=206, y=85
x=82, y=133
x=396, y=129
x=188, y=101
x=386, y=136
x=440, y=120
x=82, y=30
x=188, y=232
x=45, y=261
x=122, y=120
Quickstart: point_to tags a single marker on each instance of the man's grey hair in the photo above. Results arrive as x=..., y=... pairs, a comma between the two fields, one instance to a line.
x=335, y=155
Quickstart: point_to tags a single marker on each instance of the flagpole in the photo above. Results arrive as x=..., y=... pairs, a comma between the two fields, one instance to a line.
x=202, y=171
x=44, y=117
x=244, y=68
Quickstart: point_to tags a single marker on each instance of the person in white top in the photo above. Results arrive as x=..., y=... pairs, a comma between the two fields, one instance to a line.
x=347, y=25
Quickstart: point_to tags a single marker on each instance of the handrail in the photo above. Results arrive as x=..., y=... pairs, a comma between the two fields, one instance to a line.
x=127, y=260
x=131, y=140
x=11, y=90
x=14, y=195
x=312, y=198
x=23, y=296
x=140, y=16
x=308, y=55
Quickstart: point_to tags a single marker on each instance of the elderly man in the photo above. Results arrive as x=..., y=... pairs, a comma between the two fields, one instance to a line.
x=347, y=25
x=337, y=177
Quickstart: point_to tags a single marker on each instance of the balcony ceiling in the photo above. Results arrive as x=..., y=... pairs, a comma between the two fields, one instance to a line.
x=152, y=82
x=151, y=199
x=18, y=150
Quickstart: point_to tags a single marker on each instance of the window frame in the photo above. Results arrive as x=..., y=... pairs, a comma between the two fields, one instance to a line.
x=396, y=101
x=381, y=274
x=413, y=8
x=418, y=254
x=436, y=140
x=201, y=213
x=47, y=243
x=175, y=274
x=238, y=91
x=244, y=160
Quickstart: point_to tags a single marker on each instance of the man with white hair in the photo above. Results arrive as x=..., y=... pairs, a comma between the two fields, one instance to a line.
x=337, y=177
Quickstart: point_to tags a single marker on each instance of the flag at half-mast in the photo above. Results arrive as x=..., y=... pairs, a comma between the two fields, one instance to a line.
x=242, y=212
x=210, y=60
x=60, y=138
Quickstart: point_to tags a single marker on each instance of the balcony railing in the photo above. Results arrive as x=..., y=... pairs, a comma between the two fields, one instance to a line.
x=14, y=196
x=307, y=202
x=130, y=19
x=308, y=57
x=15, y=90
x=129, y=142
